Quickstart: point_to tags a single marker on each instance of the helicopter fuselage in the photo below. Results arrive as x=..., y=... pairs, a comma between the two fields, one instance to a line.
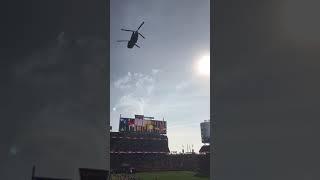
x=133, y=40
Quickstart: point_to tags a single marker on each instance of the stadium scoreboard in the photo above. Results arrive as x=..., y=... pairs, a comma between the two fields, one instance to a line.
x=142, y=124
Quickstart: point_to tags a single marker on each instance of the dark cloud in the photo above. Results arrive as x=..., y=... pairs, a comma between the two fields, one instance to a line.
x=56, y=112
x=267, y=96
x=54, y=95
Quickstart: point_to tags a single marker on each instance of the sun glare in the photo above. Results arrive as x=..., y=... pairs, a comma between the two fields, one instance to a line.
x=203, y=66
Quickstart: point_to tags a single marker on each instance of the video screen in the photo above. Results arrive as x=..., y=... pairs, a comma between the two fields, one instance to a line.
x=142, y=125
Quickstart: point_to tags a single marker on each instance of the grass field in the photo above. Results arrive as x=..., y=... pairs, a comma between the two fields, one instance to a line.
x=170, y=175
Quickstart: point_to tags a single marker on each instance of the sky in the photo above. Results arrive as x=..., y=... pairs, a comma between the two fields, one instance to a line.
x=160, y=79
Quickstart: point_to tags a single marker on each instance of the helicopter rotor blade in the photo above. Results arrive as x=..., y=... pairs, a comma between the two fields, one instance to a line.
x=127, y=30
x=140, y=25
x=122, y=41
x=142, y=36
x=137, y=45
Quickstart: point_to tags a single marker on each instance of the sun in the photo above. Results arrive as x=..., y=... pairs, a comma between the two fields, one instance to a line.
x=203, y=66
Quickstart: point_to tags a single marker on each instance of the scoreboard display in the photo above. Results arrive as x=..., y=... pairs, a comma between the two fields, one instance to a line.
x=142, y=124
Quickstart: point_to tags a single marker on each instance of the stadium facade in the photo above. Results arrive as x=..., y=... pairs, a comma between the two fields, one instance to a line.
x=142, y=144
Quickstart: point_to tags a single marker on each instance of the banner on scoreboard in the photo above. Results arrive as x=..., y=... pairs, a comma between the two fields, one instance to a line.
x=139, y=124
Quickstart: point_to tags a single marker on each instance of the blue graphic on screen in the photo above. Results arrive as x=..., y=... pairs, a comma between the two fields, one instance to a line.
x=123, y=126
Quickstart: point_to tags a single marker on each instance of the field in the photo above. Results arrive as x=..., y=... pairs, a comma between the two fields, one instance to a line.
x=170, y=175
x=163, y=175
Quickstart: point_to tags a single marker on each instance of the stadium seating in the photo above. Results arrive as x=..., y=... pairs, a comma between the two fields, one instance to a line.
x=147, y=152
x=138, y=143
x=155, y=162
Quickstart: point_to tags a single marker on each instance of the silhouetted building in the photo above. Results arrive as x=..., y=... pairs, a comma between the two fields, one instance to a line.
x=93, y=174
x=43, y=178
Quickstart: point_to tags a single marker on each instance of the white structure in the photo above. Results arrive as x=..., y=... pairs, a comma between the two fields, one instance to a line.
x=205, y=131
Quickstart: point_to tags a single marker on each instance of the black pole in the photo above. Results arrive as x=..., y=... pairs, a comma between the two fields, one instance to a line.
x=33, y=172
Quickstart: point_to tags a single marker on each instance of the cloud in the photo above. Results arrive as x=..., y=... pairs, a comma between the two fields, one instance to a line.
x=123, y=83
x=137, y=89
x=182, y=85
x=155, y=71
x=133, y=81
x=57, y=91
x=61, y=39
x=56, y=52
x=131, y=104
x=13, y=150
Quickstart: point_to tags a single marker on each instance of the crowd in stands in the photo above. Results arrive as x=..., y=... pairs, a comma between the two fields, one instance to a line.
x=123, y=177
x=155, y=162
x=150, y=152
x=130, y=177
x=122, y=142
x=139, y=135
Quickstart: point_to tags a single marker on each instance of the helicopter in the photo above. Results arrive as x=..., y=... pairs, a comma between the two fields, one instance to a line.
x=134, y=37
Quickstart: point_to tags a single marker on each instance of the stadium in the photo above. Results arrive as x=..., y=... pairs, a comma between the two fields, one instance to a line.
x=141, y=147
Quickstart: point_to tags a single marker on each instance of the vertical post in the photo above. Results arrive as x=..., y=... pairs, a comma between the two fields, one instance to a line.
x=119, y=123
x=182, y=149
x=33, y=172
